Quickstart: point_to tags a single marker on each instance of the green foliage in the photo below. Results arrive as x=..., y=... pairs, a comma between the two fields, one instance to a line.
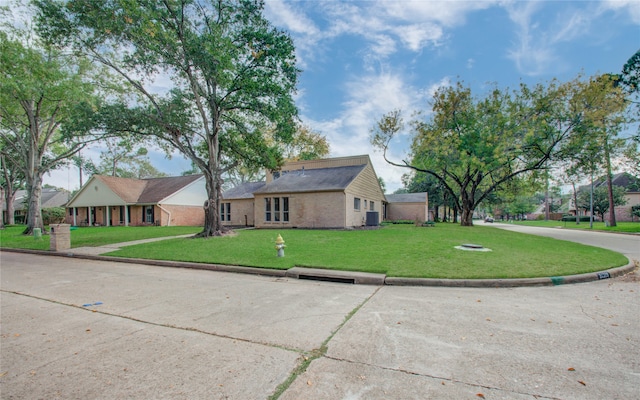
x=47, y=104
x=601, y=199
x=53, y=215
x=233, y=76
x=630, y=77
x=635, y=210
x=473, y=146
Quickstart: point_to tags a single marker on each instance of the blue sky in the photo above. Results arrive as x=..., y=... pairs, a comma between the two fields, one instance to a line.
x=361, y=59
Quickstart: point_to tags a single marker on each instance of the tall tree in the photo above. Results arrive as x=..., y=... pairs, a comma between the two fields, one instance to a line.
x=126, y=158
x=601, y=201
x=45, y=103
x=473, y=146
x=232, y=75
x=602, y=102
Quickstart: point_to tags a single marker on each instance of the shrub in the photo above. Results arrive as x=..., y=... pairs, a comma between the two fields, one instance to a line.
x=53, y=215
x=572, y=218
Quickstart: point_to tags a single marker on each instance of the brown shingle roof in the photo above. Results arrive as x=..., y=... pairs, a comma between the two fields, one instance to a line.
x=146, y=191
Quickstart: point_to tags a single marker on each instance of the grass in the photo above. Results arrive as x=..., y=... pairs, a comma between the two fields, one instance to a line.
x=398, y=250
x=12, y=237
x=628, y=227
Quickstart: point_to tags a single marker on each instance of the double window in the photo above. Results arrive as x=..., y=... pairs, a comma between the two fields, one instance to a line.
x=225, y=211
x=276, y=209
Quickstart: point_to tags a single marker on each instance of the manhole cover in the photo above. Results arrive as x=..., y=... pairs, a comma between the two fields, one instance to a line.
x=472, y=247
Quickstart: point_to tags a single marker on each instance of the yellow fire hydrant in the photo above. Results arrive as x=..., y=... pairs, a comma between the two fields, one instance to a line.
x=280, y=246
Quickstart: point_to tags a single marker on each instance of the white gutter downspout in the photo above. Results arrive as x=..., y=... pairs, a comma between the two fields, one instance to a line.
x=168, y=212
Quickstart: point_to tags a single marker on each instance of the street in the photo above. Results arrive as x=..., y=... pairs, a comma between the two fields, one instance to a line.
x=79, y=329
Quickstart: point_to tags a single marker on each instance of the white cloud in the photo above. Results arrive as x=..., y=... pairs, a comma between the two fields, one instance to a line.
x=628, y=7
x=532, y=54
x=417, y=36
x=367, y=99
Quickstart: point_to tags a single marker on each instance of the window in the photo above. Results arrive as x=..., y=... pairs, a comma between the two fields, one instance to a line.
x=371, y=208
x=285, y=209
x=225, y=211
x=276, y=209
x=356, y=204
x=365, y=204
x=267, y=209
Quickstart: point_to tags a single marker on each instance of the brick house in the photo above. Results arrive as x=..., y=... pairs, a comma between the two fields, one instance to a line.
x=408, y=206
x=338, y=193
x=107, y=200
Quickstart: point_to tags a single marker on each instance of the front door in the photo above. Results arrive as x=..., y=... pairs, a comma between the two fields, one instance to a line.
x=148, y=215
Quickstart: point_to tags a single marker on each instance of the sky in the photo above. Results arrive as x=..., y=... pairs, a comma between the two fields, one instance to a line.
x=362, y=59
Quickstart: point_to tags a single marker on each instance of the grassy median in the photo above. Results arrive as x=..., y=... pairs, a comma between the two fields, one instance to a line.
x=398, y=250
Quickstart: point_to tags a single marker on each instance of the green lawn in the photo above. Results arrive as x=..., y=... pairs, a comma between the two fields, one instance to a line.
x=12, y=236
x=399, y=250
x=633, y=227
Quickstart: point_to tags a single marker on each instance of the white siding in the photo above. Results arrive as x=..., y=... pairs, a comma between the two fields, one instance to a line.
x=96, y=193
x=194, y=194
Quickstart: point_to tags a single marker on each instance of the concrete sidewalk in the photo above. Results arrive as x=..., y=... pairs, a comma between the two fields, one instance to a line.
x=77, y=329
x=107, y=248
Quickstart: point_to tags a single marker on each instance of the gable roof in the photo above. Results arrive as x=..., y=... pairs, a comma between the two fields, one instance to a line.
x=623, y=179
x=420, y=197
x=313, y=180
x=242, y=191
x=142, y=191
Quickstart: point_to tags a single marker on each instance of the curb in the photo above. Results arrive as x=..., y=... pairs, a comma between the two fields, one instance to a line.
x=364, y=278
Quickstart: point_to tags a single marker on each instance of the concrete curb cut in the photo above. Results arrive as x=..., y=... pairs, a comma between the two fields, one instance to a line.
x=364, y=278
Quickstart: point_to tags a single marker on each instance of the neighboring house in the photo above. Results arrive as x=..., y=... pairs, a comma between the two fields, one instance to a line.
x=408, y=206
x=337, y=193
x=630, y=183
x=169, y=201
x=50, y=198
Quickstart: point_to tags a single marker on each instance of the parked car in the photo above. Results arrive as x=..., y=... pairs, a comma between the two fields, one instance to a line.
x=488, y=219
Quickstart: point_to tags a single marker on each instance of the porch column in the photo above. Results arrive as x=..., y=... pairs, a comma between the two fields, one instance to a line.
x=108, y=221
x=75, y=216
x=89, y=216
x=126, y=215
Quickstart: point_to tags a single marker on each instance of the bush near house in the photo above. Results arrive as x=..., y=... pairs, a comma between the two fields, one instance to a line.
x=53, y=215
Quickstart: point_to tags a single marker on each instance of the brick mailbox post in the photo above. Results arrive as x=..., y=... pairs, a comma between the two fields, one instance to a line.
x=60, y=237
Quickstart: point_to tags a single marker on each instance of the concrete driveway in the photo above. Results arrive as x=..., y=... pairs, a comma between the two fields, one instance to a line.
x=83, y=329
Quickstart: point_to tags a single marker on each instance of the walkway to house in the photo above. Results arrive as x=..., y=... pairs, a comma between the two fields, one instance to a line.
x=107, y=248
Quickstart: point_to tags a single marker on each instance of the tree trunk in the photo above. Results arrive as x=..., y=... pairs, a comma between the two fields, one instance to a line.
x=34, y=217
x=9, y=198
x=612, y=207
x=467, y=216
x=212, y=224
x=575, y=202
x=1, y=216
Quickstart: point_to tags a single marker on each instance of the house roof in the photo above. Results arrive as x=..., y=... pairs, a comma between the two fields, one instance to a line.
x=407, y=197
x=629, y=182
x=243, y=191
x=50, y=198
x=313, y=180
x=145, y=191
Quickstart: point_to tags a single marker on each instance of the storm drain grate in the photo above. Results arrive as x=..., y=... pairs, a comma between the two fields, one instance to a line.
x=327, y=279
